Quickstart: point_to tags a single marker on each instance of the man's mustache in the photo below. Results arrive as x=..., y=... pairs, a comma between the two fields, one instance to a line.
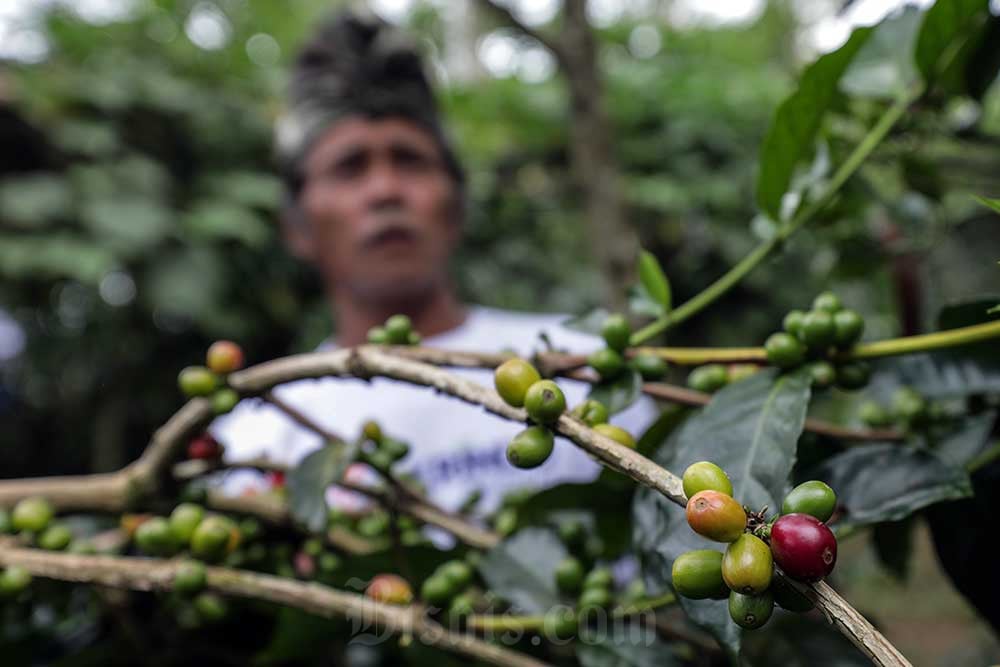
x=394, y=228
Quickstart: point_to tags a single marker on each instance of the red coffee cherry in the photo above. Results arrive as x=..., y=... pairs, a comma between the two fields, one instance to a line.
x=716, y=516
x=224, y=356
x=803, y=547
x=204, y=446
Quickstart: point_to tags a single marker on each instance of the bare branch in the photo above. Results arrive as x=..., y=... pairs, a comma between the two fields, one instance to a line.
x=505, y=15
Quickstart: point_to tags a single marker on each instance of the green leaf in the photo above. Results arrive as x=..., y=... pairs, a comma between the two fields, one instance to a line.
x=589, y=322
x=968, y=440
x=884, y=66
x=797, y=120
x=642, y=304
x=989, y=203
x=887, y=482
x=893, y=542
x=523, y=568
x=946, y=26
x=801, y=639
x=309, y=480
x=633, y=645
x=619, y=393
x=654, y=280
x=750, y=429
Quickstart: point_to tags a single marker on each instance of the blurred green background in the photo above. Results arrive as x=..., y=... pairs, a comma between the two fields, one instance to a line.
x=138, y=200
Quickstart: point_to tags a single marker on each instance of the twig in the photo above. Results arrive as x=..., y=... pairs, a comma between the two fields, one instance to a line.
x=148, y=574
x=507, y=16
x=302, y=419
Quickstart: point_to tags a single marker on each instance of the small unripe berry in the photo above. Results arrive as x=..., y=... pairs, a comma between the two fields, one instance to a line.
x=650, y=366
x=697, y=575
x=190, y=578
x=708, y=378
x=747, y=566
x=154, y=537
x=750, y=611
x=512, y=380
x=616, y=433
x=608, y=363
x=372, y=431
x=505, y=521
x=398, y=329
x=32, y=515
x=848, y=326
x=55, y=538
x=569, y=575
x=616, y=332
x=544, y=401
x=814, y=498
x=184, y=520
x=823, y=374
x=197, y=381
x=224, y=356
x=211, y=607
x=599, y=577
x=705, y=475
x=817, y=329
x=214, y=537
x=378, y=336
x=793, y=322
x=873, y=414
x=591, y=412
x=437, y=590
x=827, y=301
x=457, y=572
x=853, y=375
x=14, y=580
x=224, y=400
x=531, y=447
x=784, y=351
x=595, y=598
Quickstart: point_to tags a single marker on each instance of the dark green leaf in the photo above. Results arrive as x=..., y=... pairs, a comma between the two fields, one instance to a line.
x=968, y=439
x=796, y=640
x=989, y=203
x=619, y=393
x=653, y=278
x=642, y=304
x=887, y=482
x=632, y=645
x=309, y=480
x=522, y=568
x=797, y=120
x=590, y=322
x=946, y=26
x=893, y=546
x=750, y=429
x=884, y=66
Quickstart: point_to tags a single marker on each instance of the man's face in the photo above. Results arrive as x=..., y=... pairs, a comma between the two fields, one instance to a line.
x=381, y=208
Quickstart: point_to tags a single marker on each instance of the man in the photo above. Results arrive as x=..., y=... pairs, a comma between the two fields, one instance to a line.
x=375, y=203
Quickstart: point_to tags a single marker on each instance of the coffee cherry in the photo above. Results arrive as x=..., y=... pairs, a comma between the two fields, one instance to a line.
x=616, y=332
x=698, y=575
x=823, y=374
x=512, y=380
x=531, y=447
x=783, y=350
x=572, y=533
x=413, y=338
x=197, y=381
x=650, y=366
x=328, y=563
x=31, y=515
x=204, y=447
x=190, y=578
x=211, y=608
x=275, y=479
x=378, y=336
x=559, y=623
x=155, y=538
x=599, y=577
x=14, y=580
x=848, y=326
x=394, y=449
x=817, y=329
x=505, y=522
x=747, y=565
x=224, y=400
x=708, y=378
x=55, y=538
x=750, y=611
x=373, y=525
x=214, y=537
x=608, y=363
x=705, y=475
x=788, y=598
x=544, y=401
x=398, y=329
x=873, y=414
x=591, y=412
x=739, y=372
x=803, y=547
x=461, y=606
x=390, y=589
x=372, y=431
x=184, y=520
x=716, y=516
x=594, y=547
x=224, y=356
x=853, y=375
x=437, y=590
x=569, y=575
x=616, y=433
x=793, y=323
x=908, y=405
x=595, y=597
x=827, y=301
x=813, y=498
x=6, y=525
x=457, y=572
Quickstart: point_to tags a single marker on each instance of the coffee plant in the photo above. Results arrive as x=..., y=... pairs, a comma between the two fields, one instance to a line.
x=752, y=523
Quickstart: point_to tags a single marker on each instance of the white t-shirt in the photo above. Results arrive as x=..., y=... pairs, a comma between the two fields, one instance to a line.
x=455, y=448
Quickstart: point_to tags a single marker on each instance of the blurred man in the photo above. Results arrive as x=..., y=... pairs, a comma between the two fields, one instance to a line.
x=375, y=203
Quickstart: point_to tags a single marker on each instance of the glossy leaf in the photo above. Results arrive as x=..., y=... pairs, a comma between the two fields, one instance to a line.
x=945, y=26
x=884, y=66
x=989, y=203
x=522, y=568
x=308, y=481
x=653, y=278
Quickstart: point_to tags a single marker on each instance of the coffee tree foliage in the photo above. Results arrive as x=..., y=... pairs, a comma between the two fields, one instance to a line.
x=143, y=164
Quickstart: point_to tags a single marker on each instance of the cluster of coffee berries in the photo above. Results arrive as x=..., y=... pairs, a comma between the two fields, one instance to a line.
x=712, y=377
x=374, y=523
x=32, y=518
x=223, y=357
x=14, y=580
x=381, y=451
x=798, y=541
x=397, y=330
x=814, y=337
x=448, y=587
x=595, y=415
x=909, y=410
x=520, y=385
x=609, y=362
x=209, y=537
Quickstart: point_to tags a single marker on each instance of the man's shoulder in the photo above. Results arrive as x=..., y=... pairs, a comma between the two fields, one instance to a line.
x=495, y=328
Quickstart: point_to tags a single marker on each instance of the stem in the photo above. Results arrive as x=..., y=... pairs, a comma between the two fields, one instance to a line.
x=731, y=278
x=648, y=604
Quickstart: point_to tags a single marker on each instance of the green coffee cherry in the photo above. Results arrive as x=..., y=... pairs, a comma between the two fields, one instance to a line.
x=380, y=459
x=457, y=572
x=82, y=548
x=544, y=402
x=569, y=575
x=214, y=537
x=394, y=449
x=559, y=623
x=378, y=336
x=823, y=374
x=572, y=533
x=873, y=414
x=6, y=525
x=437, y=590
x=793, y=323
x=616, y=332
x=398, y=328
x=608, y=363
x=697, y=575
x=373, y=525
x=31, y=515
x=505, y=521
x=650, y=366
x=183, y=521
x=14, y=580
x=616, y=433
x=250, y=529
x=827, y=301
x=848, y=326
x=210, y=607
x=512, y=380
x=708, y=378
x=413, y=338
x=55, y=538
x=784, y=351
x=853, y=375
x=531, y=447
x=155, y=538
x=461, y=606
x=595, y=597
x=817, y=330
x=747, y=565
x=750, y=611
x=591, y=412
x=599, y=577
x=706, y=475
x=908, y=405
x=197, y=381
x=328, y=562
x=312, y=547
x=190, y=578
x=224, y=400
x=813, y=498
